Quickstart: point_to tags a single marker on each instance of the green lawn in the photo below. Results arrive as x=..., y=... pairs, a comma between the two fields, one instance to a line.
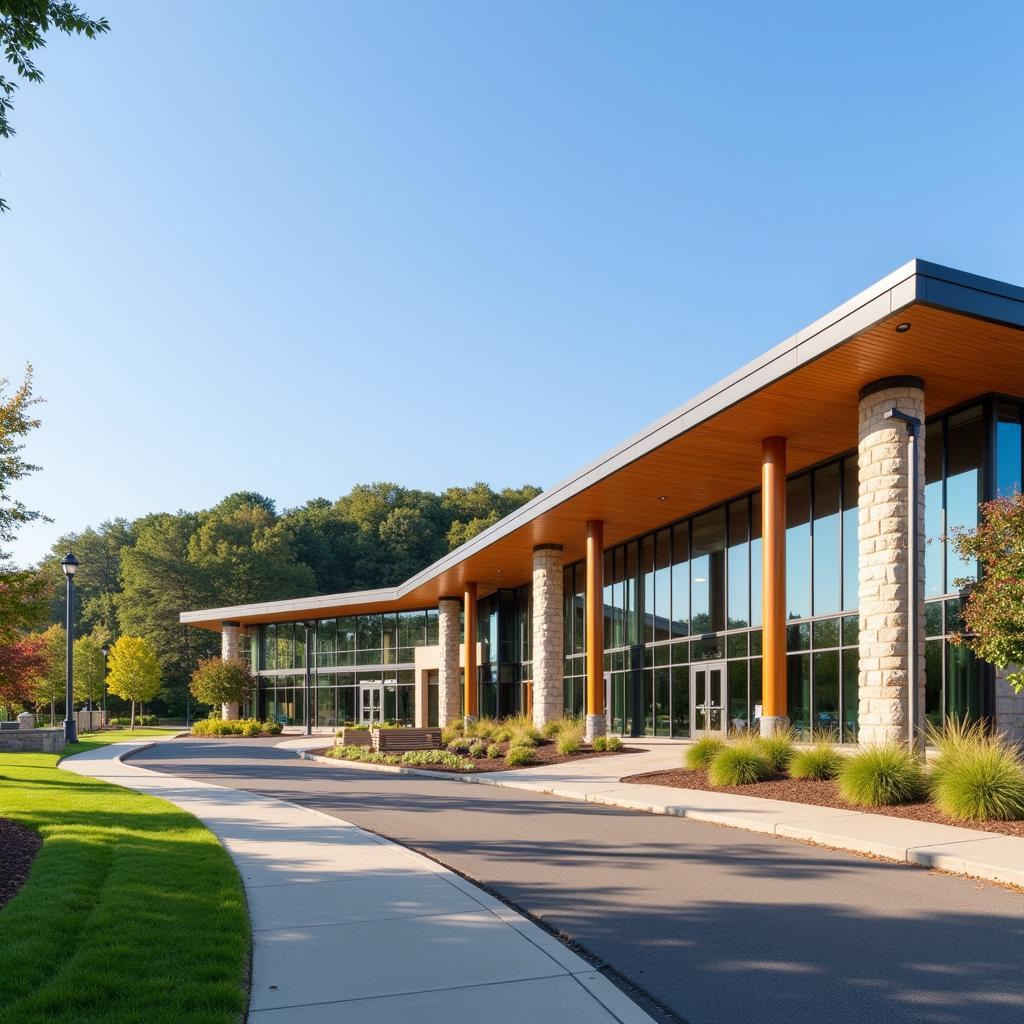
x=132, y=914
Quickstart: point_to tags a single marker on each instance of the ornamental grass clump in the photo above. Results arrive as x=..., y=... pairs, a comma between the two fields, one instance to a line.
x=979, y=781
x=570, y=736
x=822, y=761
x=520, y=726
x=740, y=763
x=494, y=751
x=453, y=730
x=779, y=748
x=699, y=755
x=517, y=757
x=613, y=744
x=600, y=743
x=885, y=774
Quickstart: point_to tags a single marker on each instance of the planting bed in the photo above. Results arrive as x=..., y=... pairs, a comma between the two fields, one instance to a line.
x=820, y=794
x=18, y=848
x=545, y=753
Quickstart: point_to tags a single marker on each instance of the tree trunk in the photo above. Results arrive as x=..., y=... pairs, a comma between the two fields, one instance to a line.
x=133, y=716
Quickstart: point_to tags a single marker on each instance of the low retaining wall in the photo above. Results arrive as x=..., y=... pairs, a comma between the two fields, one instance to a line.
x=41, y=741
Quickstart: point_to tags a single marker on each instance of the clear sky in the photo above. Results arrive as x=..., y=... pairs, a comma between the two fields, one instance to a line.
x=292, y=247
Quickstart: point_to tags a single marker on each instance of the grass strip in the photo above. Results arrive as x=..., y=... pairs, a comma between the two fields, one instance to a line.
x=133, y=912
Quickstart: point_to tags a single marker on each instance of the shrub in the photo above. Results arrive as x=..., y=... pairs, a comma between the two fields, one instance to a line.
x=477, y=749
x=482, y=728
x=461, y=744
x=523, y=739
x=779, y=748
x=600, y=743
x=494, y=751
x=979, y=782
x=822, y=761
x=521, y=726
x=518, y=756
x=613, y=744
x=699, y=755
x=242, y=727
x=425, y=758
x=886, y=774
x=570, y=736
x=740, y=763
x=550, y=729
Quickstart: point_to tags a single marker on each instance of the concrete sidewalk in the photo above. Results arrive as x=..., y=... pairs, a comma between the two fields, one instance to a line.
x=965, y=851
x=345, y=922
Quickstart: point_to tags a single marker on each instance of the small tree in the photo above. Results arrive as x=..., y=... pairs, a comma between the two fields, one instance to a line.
x=88, y=669
x=134, y=671
x=20, y=663
x=221, y=681
x=50, y=685
x=994, y=611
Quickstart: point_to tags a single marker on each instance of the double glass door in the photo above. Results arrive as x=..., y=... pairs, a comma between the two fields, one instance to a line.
x=709, y=695
x=371, y=704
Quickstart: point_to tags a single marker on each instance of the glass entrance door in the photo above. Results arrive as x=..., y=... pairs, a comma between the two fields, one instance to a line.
x=709, y=693
x=371, y=704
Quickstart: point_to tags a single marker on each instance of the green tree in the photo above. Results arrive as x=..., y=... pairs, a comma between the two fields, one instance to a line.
x=50, y=685
x=994, y=612
x=222, y=681
x=88, y=670
x=23, y=28
x=23, y=593
x=134, y=671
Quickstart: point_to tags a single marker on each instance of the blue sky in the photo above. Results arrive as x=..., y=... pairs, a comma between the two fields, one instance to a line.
x=290, y=248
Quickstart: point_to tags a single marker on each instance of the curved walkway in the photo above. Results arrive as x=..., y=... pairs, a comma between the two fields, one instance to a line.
x=347, y=923
x=719, y=925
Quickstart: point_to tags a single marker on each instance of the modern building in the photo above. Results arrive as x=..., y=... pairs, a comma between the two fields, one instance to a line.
x=746, y=558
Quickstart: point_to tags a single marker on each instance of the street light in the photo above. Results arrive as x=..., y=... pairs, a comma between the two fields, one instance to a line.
x=106, y=650
x=70, y=566
x=913, y=425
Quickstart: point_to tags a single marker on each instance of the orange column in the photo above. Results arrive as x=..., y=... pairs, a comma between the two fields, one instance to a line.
x=773, y=564
x=595, y=628
x=469, y=660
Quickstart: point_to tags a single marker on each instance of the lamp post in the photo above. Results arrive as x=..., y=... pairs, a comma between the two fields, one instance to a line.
x=103, y=706
x=913, y=425
x=70, y=566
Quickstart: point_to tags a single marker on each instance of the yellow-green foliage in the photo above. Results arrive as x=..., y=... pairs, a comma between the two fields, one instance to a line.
x=886, y=774
x=698, y=755
x=517, y=757
x=779, y=748
x=570, y=736
x=740, y=763
x=822, y=761
x=241, y=727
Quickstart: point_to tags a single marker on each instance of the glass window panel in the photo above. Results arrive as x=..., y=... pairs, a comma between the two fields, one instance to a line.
x=798, y=637
x=608, y=599
x=431, y=635
x=798, y=688
x=680, y=652
x=798, y=547
x=630, y=585
x=966, y=442
x=347, y=634
x=963, y=683
x=826, y=633
x=851, y=631
x=933, y=655
x=826, y=693
x=739, y=565
x=851, y=546
x=708, y=572
x=326, y=635
x=579, y=640
x=755, y=642
x=662, y=702
x=681, y=701
x=738, y=712
x=755, y=560
x=647, y=701
x=934, y=518
x=933, y=618
x=663, y=584
x=737, y=644
x=851, y=694
x=681, y=579
x=827, y=589
x=1008, y=451
x=954, y=616
x=755, y=688
x=647, y=583
x=661, y=654
x=368, y=632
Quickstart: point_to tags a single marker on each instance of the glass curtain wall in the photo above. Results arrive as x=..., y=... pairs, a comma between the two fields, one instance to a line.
x=503, y=630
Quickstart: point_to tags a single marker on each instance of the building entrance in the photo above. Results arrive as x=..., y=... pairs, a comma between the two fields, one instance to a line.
x=709, y=697
x=371, y=703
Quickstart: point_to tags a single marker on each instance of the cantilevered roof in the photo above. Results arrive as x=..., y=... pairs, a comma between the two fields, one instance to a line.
x=965, y=339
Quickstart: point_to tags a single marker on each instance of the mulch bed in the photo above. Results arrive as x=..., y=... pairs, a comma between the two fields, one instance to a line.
x=545, y=753
x=820, y=794
x=18, y=848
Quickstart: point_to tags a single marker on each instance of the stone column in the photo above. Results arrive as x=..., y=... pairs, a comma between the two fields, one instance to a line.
x=1009, y=707
x=547, y=630
x=597, y=723
x=885, y=598
x=229, y=649
x=449, y=686
x=471, y=680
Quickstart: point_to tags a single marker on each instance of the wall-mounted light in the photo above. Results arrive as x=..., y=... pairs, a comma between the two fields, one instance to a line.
x=662, y=497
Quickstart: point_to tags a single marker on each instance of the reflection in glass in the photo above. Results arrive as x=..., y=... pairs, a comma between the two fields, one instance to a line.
x=1008, y=451
x=681, y=580
x=680, y=701
x=851, y=695
x=798, y=690
x=851, y=547
x=826, y=692
x=827, y=597
x=755, y=559
x=966, y=443
x=707, y=572
x=934, y=517
x=798, y=547
x=933, y=655
x=739, y=565
x=738, y=713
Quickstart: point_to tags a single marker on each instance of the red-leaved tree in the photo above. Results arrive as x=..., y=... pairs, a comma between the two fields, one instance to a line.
x=21, y=663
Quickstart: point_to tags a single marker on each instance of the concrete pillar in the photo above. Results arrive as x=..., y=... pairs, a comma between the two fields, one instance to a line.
x=228, y=650
x=775, y=717
x=547, y=629
x=470, y=699
x=597, y=724
x=449, y=686
x=884, y=592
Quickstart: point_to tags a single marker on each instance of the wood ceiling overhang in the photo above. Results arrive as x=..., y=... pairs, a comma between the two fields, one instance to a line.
x=966, y=339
